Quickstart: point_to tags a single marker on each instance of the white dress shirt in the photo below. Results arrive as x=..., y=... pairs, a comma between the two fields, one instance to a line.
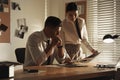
x=70, y=35
x=35, y=49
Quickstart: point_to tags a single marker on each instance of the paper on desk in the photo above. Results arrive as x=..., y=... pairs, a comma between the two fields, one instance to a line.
x=89, y=58
x=86, y=60
x=54, y=65
x=73, y=65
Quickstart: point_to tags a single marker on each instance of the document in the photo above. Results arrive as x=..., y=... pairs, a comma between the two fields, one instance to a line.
x=73, y=65
x=89, y=58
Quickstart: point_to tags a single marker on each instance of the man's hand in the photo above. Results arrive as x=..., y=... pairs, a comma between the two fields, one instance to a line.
x=68, y=61
x=57, y=41
x=60, y=42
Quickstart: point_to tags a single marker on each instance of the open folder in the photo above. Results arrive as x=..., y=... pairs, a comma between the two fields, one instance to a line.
x=73, y=65
x=89, y=58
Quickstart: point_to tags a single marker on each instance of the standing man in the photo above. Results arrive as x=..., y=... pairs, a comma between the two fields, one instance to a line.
x=74, y=33
x=43, y=46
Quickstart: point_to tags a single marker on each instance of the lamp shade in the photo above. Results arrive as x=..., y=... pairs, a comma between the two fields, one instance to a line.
x=108, y=38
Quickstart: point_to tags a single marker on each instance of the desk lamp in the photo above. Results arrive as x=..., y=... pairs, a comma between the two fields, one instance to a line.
x=109, y=38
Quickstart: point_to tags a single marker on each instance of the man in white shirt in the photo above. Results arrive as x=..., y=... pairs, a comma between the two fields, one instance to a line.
x=74, y=33
x=43, y=46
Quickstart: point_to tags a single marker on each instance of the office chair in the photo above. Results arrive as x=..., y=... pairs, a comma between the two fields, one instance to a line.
x=117, y=74
x=20, y=55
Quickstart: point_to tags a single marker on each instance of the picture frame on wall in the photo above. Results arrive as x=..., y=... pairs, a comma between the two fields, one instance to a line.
x=22, y=28
x=82, y=9
x=4, y=6
x=4, y=1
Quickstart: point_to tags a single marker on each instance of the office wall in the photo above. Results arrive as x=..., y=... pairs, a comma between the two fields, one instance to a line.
x=57, y=7
x=34, y=13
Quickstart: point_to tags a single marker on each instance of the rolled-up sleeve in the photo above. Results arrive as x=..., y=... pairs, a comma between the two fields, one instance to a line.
x=35, y=51
x=38, y=56
x=61, y=60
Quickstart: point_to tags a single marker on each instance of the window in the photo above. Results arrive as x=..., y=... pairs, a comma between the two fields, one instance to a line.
x=103, y=17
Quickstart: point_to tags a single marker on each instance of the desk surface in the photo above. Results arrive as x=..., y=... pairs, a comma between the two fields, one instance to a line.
x=54, y=72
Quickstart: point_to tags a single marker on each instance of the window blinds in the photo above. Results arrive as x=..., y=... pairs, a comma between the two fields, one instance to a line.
x=103, y=17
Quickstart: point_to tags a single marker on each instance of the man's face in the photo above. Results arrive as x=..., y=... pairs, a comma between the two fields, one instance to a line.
x=55, y=32
x=72, y=15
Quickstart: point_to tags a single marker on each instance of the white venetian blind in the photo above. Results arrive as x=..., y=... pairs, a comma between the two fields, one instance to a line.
x=103, y=17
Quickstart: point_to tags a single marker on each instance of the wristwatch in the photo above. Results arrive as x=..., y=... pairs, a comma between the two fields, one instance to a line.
x=60, y=46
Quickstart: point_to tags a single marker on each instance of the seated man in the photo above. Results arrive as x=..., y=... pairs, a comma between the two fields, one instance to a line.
x=43, y=46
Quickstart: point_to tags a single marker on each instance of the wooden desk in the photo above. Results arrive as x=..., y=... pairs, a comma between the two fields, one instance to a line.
x=53, y=72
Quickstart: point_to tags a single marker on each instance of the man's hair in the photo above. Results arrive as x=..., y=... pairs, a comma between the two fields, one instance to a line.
x=53, y=22
x=71, y=7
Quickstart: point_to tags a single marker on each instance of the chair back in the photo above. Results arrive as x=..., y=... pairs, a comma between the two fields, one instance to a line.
x=20, y=54
x=117, y=75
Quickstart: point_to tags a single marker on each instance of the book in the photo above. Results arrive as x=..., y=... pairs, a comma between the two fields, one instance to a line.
x=9, y=63
x=6, y=71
